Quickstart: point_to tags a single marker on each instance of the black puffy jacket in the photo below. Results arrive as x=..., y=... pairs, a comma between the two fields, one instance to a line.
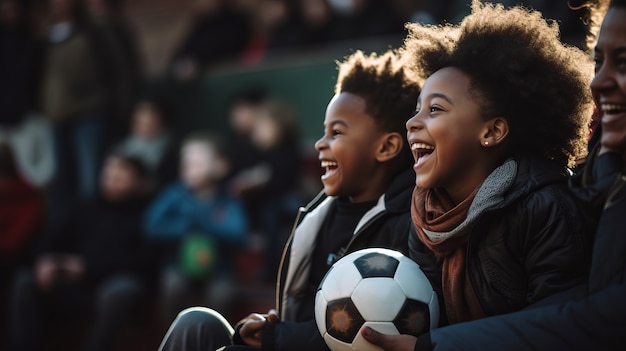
x=386, y=225
x=533, y=244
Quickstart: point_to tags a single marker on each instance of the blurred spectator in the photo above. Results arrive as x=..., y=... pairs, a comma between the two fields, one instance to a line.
x=73, y=99
x=152, y=141
x=89, y=265
x=21, y=216
x=269, y=187
x=219, y=32
x=201, y=228
x=119, y=60
x=89, y=75
x=242, y=113
x=20, y=59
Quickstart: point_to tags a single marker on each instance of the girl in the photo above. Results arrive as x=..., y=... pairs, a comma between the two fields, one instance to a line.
x=503, y=111
x=597, y=321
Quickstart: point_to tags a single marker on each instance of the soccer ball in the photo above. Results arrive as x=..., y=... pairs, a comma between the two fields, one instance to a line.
x=375, y=287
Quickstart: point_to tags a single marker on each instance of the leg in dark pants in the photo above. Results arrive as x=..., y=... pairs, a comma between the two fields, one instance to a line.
x=198, y=328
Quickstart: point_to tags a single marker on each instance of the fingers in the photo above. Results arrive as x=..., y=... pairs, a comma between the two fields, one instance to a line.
x=373, y=336
x=389, y=342
x=252, y=332
x=272, y=316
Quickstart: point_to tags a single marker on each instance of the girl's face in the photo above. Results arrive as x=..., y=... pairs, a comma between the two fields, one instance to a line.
x=445, y=135
x=347, y=150
x=609, y=84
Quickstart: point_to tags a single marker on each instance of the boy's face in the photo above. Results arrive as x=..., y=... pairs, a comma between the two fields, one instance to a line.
x=200, y=165
x=347, y=150
x=609, y=84
x=444, y=135
x=118, y=181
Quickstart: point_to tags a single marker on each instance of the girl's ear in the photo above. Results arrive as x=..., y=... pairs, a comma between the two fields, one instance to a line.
x=390, y=146
x=495, y=132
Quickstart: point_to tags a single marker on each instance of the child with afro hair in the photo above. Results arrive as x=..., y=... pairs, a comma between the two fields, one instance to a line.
x=596, y=319
x=503, y=111
x=365, y=203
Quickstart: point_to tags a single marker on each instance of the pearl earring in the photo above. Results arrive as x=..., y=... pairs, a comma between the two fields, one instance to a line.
x=486, y=143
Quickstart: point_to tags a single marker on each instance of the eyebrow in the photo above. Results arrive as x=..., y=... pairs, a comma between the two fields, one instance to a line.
x=335, y=122
x=439, y=95
x=616, y=51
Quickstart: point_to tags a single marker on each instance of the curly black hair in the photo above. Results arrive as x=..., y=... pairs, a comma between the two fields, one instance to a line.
x=520, y=70
x=390, y=93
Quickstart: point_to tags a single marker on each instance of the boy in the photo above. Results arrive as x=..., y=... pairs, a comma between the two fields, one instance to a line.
x=90, y=262
x=365, y=203
x=200, y=225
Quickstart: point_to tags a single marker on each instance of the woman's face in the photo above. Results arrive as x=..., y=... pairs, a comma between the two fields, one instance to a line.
x=609, y=84
x=445, y=134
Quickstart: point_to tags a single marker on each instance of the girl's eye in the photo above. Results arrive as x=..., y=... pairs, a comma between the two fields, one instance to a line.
x=435, y=108
x=336, y=132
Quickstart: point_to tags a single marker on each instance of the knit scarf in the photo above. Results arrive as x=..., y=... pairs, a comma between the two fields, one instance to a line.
x=444, y=228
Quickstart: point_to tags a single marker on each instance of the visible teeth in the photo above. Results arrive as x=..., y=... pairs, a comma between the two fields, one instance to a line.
x=612, y=108
x=329, y=164
x=416, y=146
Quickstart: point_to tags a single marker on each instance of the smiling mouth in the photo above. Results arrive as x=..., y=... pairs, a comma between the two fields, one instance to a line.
x=421, y=149
x=329, y=166
x=612, y=109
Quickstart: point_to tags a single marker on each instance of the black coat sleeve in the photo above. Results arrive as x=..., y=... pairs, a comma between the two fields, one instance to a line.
x=596, y=322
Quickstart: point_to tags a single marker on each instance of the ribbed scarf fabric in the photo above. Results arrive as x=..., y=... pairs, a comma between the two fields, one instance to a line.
x=444, y=228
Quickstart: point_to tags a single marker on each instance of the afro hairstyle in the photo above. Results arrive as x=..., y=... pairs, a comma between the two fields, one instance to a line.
x=519, y=70
x=390, y=93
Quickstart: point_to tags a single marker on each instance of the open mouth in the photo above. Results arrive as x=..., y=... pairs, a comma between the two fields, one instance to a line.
x=421, y=151
x=329, y=167
x=612, y=109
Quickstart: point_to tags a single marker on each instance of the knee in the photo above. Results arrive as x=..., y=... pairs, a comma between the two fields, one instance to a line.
x=201, y=319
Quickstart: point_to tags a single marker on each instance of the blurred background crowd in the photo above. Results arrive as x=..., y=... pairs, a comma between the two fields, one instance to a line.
x=154, y=153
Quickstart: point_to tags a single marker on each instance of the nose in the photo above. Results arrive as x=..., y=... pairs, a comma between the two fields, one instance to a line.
x=414, y=123
x=604, y=78
x=321, y=143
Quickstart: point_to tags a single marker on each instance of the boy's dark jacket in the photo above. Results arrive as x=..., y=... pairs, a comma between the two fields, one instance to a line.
x=592, y=320
x=535, y=243
x=386, y=225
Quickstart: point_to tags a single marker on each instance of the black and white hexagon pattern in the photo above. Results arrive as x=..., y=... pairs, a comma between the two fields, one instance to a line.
x=375, y=287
